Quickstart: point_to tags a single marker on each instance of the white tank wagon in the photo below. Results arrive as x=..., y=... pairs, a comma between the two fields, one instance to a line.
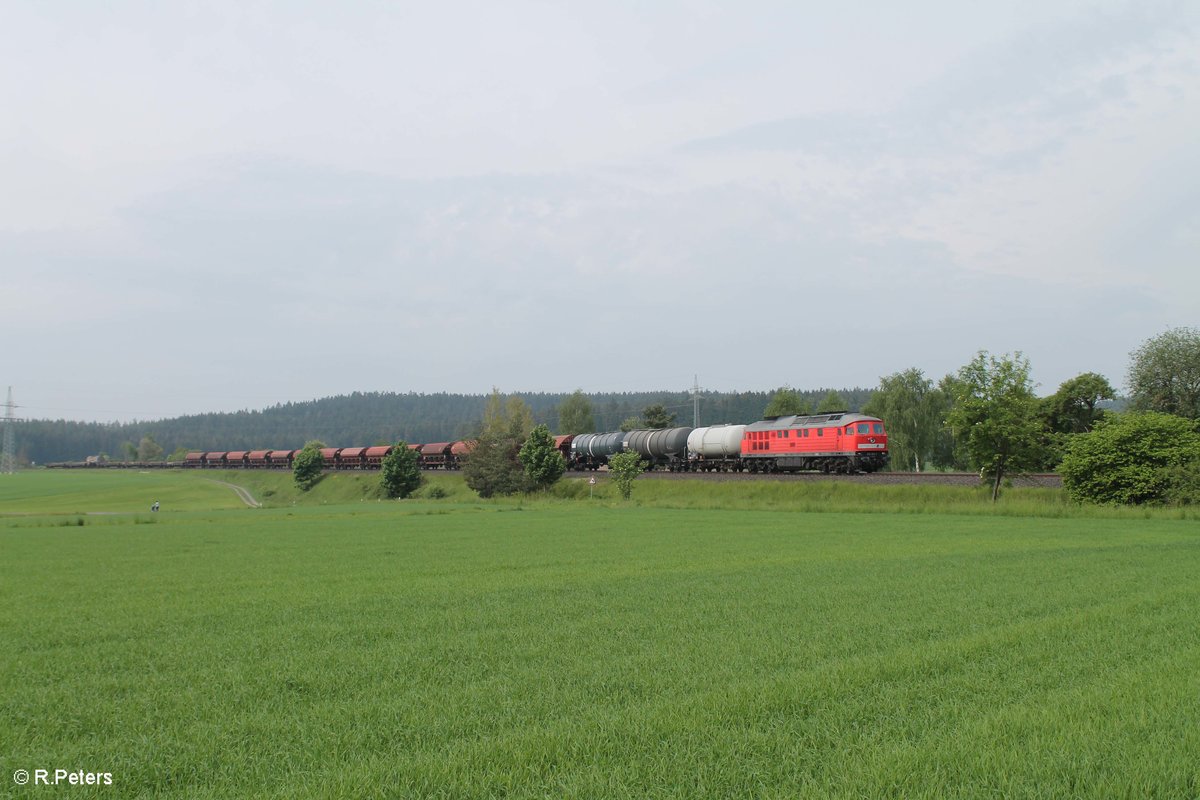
x=716, y=448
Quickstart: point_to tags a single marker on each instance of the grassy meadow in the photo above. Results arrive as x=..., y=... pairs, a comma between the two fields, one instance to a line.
x=731, y=640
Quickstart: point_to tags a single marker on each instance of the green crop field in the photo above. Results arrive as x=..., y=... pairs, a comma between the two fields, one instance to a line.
x=717, y=642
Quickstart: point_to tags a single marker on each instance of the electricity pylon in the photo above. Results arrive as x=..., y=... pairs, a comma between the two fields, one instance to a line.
x=8, y=462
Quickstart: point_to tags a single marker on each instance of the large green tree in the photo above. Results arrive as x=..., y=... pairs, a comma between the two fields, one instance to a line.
x=308, y=466
x=400, y=472
x=994, y=416
x=832, y=401
x=1164, y=373
x=945, y=451
x=786, y=402
x=509, y=416
x=494, y=466
x=657, y=416
x=1137, y=457
x=148, y=449
x=912, y=410
x=542, y=461
x=1075, y=407
x=1072, y=410
x=575, y=414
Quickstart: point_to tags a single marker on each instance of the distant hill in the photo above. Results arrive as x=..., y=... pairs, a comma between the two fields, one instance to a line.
x=365, y=418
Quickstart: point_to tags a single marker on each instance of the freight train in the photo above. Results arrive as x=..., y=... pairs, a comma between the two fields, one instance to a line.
x=840, y=442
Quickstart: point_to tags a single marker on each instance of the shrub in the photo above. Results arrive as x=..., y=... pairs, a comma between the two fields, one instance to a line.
x=400, y=472
x=494, y=469
x=308, y=466
x=1183, y=484
x=1133, y=458
x=543, y=463
x=625, y=468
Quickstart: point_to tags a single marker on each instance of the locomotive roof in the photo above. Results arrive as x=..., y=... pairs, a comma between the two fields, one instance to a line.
x=831, y=420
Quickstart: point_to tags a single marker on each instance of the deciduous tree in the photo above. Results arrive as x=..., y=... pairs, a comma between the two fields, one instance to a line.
x=575, y=414
x=912, y=410
x=148, y=449
x=946, y=453
x=657, y=416
x=994, y=416
x=1164, y=373
x=624, y=469
x=308, y=465
x=1137, y=457
x=832, y=401
x=494, y=468
x=786, y=402
x=543, y=462
x=400, y=472
x=508, y=417
x=1074, y=408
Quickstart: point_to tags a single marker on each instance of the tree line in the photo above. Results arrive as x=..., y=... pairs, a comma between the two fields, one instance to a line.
x=369, y=418
x=985, y=417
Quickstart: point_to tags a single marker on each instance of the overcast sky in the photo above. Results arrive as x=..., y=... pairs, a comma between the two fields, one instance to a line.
x=213, y=206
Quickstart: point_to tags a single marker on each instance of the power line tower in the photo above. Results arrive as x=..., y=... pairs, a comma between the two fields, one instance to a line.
x=696, y=401
x=8, y=464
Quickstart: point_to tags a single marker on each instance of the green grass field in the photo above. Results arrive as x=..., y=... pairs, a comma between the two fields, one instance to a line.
x=681, y=646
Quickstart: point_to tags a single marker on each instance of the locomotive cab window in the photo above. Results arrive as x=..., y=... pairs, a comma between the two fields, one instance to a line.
x=864, y=427
x=878, y=426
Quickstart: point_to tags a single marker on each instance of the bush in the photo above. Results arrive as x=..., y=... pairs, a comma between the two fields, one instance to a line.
x=1134, y=458
x=400, y=472
x=543, y=463
x=493, y=468
x=625, y=468
x=1183, y=484
x=308, y=466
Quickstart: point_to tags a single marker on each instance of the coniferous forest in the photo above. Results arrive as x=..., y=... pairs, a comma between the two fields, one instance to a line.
x=366, y=418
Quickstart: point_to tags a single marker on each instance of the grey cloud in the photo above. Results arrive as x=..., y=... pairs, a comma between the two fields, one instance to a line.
x=1041, y=74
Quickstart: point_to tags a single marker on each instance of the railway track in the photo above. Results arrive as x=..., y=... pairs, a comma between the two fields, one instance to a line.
x=1047, y=480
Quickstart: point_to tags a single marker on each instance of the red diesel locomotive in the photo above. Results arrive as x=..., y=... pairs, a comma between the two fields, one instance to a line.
x=827, y=442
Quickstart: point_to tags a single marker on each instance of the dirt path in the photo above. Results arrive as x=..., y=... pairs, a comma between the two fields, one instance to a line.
x=246, y=497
